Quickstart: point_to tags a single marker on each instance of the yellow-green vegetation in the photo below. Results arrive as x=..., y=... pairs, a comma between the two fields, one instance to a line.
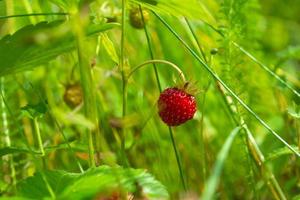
x=80, y=82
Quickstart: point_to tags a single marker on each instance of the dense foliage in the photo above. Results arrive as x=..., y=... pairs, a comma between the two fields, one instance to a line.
x=80, y=81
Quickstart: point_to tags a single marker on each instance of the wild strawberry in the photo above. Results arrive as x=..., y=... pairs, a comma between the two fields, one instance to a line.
x=73, y=95
x=136, y=19
x=176, y=106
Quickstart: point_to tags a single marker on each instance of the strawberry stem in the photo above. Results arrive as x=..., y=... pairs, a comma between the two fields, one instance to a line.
x=177, y=159
x=181, y=75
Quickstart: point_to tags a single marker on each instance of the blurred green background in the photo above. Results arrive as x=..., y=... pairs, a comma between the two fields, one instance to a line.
x=267, y=29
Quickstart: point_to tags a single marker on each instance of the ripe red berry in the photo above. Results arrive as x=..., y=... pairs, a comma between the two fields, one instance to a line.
x=176, y=106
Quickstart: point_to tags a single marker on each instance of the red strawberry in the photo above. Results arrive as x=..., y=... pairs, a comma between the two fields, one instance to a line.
x=176, y=106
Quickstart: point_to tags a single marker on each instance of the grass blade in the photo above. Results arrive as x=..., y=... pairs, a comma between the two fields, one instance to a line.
x=216, y=77
x=264, y=67
x=213, y=180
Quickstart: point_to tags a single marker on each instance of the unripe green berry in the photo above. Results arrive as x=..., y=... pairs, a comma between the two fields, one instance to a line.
x=136, y=19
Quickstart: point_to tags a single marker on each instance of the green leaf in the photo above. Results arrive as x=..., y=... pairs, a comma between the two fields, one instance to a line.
x=281, y=152
x=91, y=183
x=14, y=150
x=34, y=45
x=291, y=52
x=212, y=183
x=294, y=112
x=34, y=111
x=36, y=187
x=189, y=8
x=65, y=4
x=109, y=47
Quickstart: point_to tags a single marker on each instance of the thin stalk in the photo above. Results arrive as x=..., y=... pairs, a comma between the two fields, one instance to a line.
x=6, y=132
x=28, y=9
x=124, y=83
x=264, y=67
x=181, y=75
x=5, y=122
x=31, y=14
x=160, y=89
x=297, y=126
x=246, y=149
x=217, y=78
x=89, y=93
x=177, y=159
x=203, y=143
x=68, y=144
x=38, y=136
x=196, y=39
x=150, y=50
x=48, y=186
x=58, y=127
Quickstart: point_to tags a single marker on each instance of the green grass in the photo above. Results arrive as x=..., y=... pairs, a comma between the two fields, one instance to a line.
x=242, y=57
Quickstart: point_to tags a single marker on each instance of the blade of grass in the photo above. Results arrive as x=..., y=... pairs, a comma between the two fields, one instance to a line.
x=254, y=150
x=196, y=39
x=150, y=50
x=89, y=93
x=264, y=67
x=216, y=77
x=31, y=14
x=252, y=147
x=58, y=127
x=214, y=178
x=6, y=129
x=124, y=83
x=6, y=132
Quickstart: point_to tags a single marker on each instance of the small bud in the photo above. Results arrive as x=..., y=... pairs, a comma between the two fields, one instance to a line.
x=214, y=51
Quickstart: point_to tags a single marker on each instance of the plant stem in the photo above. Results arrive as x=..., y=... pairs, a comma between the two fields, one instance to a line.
x=181, y=75
x=150, y=50
x=31, y=14
x=124, y=84
x=89, y=93
x=160, y=89
x=253, y=148
x=6, y=132
x=196, y=39
x=38, y=136
x=177, y=159
x=217, y=78
x=264, y=67
x=28, y=9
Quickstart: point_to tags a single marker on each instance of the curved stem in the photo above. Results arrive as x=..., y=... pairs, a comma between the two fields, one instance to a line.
x=181, y=75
